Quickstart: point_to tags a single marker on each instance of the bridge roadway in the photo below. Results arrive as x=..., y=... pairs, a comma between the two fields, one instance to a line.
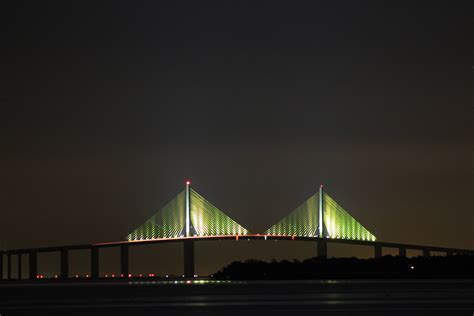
x=188, y=248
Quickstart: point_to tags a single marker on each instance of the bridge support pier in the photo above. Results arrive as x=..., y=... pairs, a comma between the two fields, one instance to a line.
x=33, y=261
x=402, y=252
x=94, y=262
x=426, y=252
x=9, y=266
x=64, y=263
x=1, y=265
x=322, y=248
x=124, y=260
x=18, y=272
x=378, y=251
x=188, y=246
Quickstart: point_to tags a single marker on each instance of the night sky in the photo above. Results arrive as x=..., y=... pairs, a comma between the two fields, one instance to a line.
x=108, y=106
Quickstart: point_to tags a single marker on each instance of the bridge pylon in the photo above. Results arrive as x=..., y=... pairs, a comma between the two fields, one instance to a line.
x=322, y=217
x=189, y=214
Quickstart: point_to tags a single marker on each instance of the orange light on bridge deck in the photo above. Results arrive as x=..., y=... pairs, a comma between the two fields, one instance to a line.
x=129, y=275
x=293, y=237
x=236, y=237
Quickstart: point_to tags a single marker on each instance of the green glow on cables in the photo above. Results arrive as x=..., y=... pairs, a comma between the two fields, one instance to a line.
x=208, y=220
x=169, y=222
x=303, y=222
x=340, y=224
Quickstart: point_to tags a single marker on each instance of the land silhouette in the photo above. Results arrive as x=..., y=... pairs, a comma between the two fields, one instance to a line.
x=386, y=267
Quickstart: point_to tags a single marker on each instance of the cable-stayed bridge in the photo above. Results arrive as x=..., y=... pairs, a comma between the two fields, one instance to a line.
x=189, y=218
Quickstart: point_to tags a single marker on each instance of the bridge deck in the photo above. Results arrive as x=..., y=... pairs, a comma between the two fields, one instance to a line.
x=239, y=237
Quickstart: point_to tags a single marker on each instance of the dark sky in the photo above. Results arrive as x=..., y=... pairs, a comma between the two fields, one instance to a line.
x=107, y=106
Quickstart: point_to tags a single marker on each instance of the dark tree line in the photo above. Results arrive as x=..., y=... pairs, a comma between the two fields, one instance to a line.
x=458, y=266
